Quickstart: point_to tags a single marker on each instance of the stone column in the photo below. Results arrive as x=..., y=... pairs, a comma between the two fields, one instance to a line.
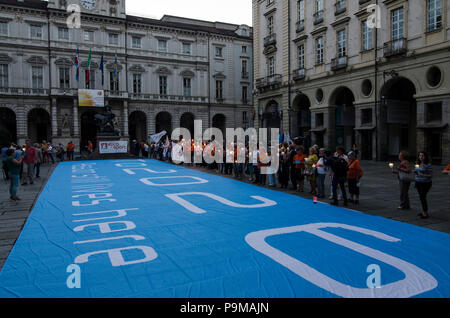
x=76, y=125
x=54, y=112
x=125, y=119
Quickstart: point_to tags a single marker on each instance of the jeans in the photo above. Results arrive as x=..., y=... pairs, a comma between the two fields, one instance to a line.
x=321, y=184
x=37, y=166
x=14, y=184
x=28, y=172
x=339, y=181
x=272, y=182
x=404, y=196
x=423, y=188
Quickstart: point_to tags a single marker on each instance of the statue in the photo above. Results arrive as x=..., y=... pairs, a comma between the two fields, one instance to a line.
x=65, y=123
x=106, y=123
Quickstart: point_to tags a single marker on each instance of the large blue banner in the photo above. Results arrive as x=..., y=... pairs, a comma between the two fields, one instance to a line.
x=142, y=228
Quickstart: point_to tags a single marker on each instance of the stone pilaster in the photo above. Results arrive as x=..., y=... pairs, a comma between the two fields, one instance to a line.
x=125, y=119
x=76, y=124
x=54, y=111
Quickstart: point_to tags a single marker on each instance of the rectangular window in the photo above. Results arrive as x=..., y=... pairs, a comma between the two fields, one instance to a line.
x=162, y=45
x=434, y=8
x=244, y=67
x=219, y=90
x=219, y=51
x=4, y=75
x=244, y=94
x=319, y=120
x=64, y=77
x=433, y=112
x=244, y=49
x=367, y=36
x=114, y=82
x=301, y=56
x=271, y=66
x=366, y=116
x=244, y=118
x=186, y=48
x=342, y=43
x=270, y=25
x=63, y=33
x=397, y=24
x=37, y=77
x=163, y=85
x=187, y=87
x=301, y=10
x=113, y=39
x=89, y=36
x=36, y=31
x=3, y=28
x=319, y=50
x=136, y=42
x=137, y=83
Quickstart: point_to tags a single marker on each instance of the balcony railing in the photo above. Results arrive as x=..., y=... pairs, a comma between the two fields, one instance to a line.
x=318, y=17
x=270, y=40
x=300, y=25
x=340, y=7
x=178, y=98
x=25, y=91
x=275, y=79
x=299, y=74
x=395, y=47
x=339, y=63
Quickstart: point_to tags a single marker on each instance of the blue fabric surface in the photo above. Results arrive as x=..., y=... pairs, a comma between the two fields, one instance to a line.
x=206, y=249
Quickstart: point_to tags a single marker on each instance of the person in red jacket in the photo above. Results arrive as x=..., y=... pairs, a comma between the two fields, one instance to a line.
x=354, y=174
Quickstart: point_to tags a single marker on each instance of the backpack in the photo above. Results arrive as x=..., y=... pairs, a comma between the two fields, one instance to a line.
x=340, y=167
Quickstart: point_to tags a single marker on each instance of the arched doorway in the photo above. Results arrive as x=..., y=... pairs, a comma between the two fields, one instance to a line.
x=301, y=117
x=8, y=126
x=219, y=121
x=271, y=117
x=343, y=99
x=187, y=121
x=88, y=129
x=137, y=126
x=39, y=125
x=398, y=118
x=164, y=123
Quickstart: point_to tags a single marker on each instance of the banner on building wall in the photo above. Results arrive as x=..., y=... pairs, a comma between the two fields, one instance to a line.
x=91, y=98
x=113, y=147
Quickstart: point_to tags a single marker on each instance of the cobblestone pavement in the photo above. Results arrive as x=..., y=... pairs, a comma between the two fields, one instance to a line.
x=379, y=196
x=13, y=215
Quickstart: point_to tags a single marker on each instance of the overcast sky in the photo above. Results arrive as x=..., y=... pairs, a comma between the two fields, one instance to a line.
x=231, y=11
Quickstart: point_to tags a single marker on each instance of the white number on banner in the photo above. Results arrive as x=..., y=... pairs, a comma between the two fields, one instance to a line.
x=131, y=172
x=416, y=280
x=134, y=237
x=177, y=198
x=131, y=165
x=116, y=258
x=148, y=182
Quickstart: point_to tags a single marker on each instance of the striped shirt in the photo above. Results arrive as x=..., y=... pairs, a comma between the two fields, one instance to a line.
x=424, y=169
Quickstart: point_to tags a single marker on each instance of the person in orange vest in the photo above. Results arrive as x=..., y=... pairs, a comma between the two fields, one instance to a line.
x=446, y=170
x=299, y=161
x=70, y=151
x=354, y=174
x=90, y=147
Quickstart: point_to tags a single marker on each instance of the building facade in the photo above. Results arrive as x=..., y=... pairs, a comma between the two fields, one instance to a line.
x=323, y=72
x=169, y=72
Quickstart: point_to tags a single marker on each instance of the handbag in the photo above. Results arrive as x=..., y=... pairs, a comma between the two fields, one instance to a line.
x=406, y=177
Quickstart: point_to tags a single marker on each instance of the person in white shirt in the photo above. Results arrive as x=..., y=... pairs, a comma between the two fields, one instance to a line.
x=321, y=173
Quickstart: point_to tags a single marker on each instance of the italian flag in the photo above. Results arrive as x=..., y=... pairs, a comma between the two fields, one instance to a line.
x=88, y=71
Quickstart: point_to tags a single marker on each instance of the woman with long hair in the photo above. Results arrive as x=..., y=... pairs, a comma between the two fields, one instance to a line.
x=405, y=177
x=424, y=175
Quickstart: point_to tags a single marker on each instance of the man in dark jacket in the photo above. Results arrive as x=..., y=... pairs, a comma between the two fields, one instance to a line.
x=339, y=166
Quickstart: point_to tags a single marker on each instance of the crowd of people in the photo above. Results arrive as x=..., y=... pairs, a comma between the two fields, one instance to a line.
x=22, y=164
x=302, y=168
x=298, y=167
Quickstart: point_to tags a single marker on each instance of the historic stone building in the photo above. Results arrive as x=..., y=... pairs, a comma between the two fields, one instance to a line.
x=323, y=73
x=169, y=71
